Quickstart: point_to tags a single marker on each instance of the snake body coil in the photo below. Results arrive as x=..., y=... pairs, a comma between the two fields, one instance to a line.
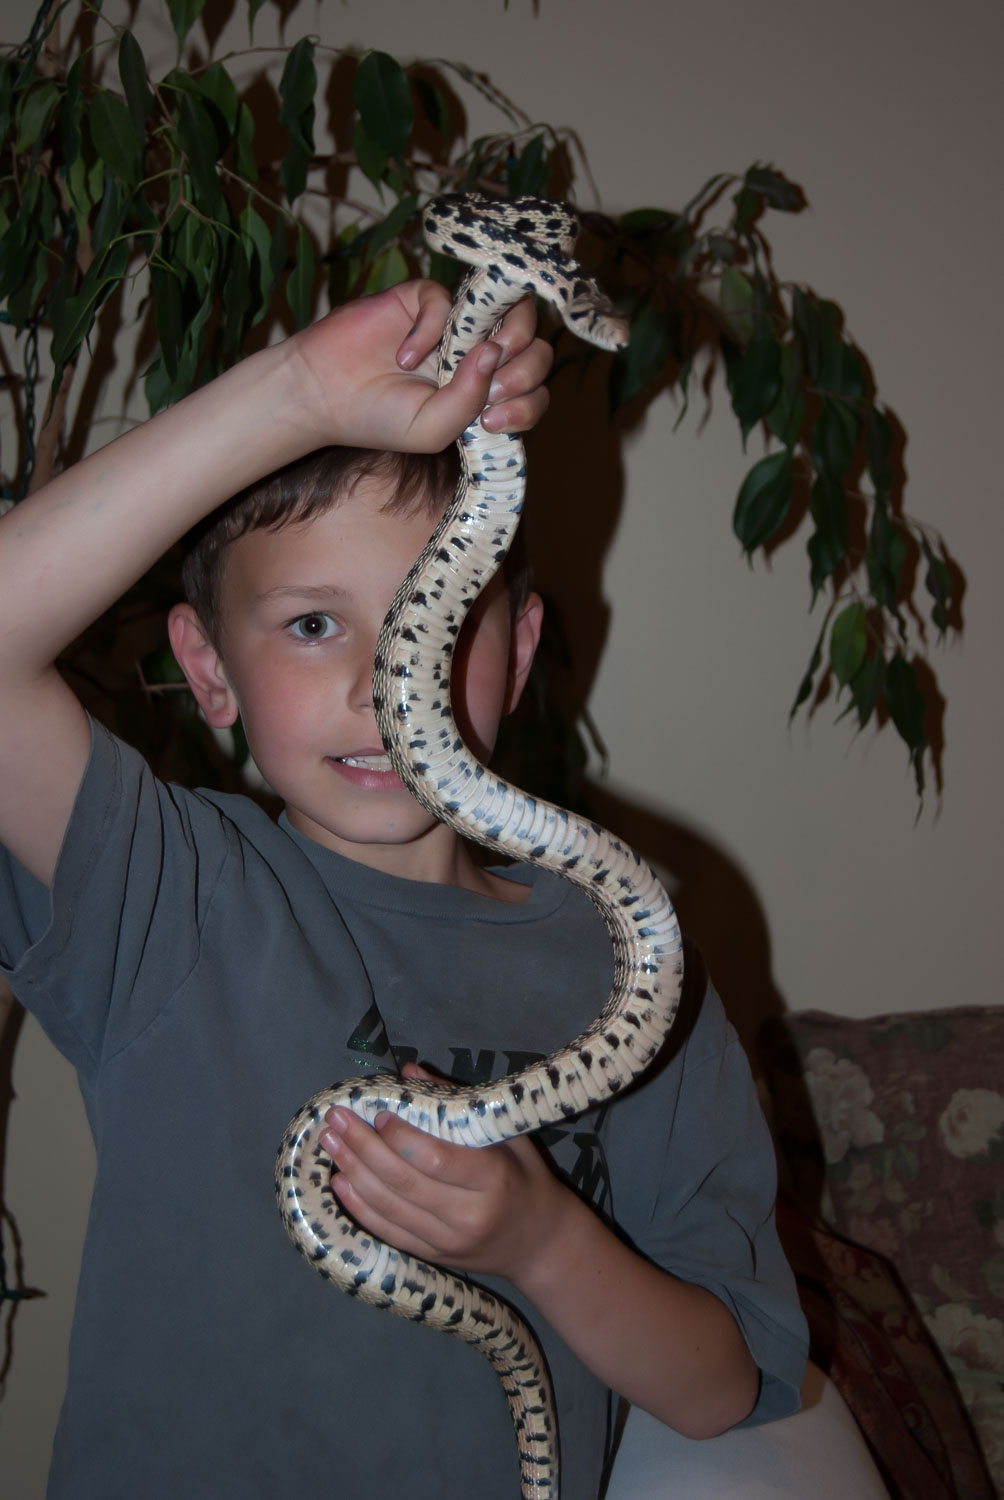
x=515, y=247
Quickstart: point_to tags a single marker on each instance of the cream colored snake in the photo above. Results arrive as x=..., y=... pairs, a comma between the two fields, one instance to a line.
x=514, y=247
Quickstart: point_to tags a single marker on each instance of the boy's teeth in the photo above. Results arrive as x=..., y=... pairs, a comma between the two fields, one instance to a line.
x=367, y=762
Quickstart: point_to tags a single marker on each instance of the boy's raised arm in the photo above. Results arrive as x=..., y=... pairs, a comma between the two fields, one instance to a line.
x=363, y=376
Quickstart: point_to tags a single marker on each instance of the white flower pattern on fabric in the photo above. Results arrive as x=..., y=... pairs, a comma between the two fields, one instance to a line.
x=840, y=1094
x=971, y=1121
x=971, y=1338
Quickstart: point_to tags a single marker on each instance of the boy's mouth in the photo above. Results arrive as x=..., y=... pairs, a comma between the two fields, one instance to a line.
x=368, y=770
x=368, y=762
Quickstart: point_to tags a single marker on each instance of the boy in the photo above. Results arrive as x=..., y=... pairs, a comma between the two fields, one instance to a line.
x=207, y=971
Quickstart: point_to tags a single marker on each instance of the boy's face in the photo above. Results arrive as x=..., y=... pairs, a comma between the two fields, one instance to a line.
x=301, y=610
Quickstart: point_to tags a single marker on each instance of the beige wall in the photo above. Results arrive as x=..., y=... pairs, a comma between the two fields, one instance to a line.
x=802, y=867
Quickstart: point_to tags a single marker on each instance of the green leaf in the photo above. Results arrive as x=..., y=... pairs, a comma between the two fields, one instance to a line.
x=70, y=113
x=277, y=258
x=103, y=275
x=815, y=661
x=199, y=141
x=528, y=175
x=787, y=416
x=828, y=544
x=817, y=329
x=259, y=242
x=35, y=112
x=754, y=381
x=390, y=227
x=244, y=162
x=132, y=71
x=383, y=98
x=748, y=205
x=907, y=708
x=193, y=348
x=193, y=249
x=848, y=640
x=878, y=450
x=763, y=501
x=652, y=343
x=297, y=87
x=885, y=555
x=156, y=385
x=184, y=14
x=866, y=685
x=18, y=250
x=345, y=268
x=169, y=315
x=26, y=303
x=834, y=438
x=300, y=284
x=642, y=222
x=8, y=76
x=238, y=299
x=372, y=159
x=114, y=137
x=445, y=270
x=721, y=248
x=775, y=189
x=938, y=582
x=390, y=269
x=433, y=105
x=217, y=86
x=736, y=298
x=842, y=372
x=254, y=6
x=109, y=217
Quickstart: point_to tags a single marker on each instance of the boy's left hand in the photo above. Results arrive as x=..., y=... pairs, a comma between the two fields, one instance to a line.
x=489, y=1211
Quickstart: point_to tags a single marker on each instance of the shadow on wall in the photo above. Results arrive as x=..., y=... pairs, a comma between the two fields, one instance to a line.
x=575, y=500
x=717, y=907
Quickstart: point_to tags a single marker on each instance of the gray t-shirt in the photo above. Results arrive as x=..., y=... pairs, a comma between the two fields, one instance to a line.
x=206, y=971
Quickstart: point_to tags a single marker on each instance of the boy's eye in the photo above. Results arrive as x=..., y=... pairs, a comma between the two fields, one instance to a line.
x=314, y=627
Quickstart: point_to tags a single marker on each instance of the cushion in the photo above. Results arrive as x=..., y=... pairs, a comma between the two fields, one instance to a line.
x=892, y=1131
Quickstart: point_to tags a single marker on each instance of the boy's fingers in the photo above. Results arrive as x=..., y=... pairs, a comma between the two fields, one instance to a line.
x=426, y=331
x=518, y=415
x=518, y=330
x=523, y=374
x=395, y=1151
x=448, y=411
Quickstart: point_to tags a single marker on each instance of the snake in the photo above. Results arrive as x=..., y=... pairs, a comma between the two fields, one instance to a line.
x=511, y=248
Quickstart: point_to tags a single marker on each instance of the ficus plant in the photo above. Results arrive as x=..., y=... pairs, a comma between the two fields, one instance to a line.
x=199, y=198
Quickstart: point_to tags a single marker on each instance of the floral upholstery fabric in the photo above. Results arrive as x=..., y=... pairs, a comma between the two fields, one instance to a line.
x=865, y=1333
x=892, y=1132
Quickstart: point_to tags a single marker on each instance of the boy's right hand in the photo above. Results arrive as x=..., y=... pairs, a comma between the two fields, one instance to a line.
x=363, y=376
x=369, y=373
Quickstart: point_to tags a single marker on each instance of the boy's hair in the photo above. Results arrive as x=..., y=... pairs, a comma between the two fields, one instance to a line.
x=311, y=486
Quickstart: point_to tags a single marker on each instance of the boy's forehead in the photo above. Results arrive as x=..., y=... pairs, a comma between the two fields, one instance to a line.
x=357, y=531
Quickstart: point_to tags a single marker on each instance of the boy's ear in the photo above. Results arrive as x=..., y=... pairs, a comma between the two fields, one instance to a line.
x=522, y=649
x=202, y=665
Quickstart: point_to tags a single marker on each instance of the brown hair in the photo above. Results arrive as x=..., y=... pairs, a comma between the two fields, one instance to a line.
x=311, y=486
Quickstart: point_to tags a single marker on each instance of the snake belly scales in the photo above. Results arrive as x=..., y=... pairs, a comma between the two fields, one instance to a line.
x=513, y=247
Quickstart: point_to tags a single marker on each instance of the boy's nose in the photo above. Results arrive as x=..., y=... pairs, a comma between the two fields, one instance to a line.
x=361, y=685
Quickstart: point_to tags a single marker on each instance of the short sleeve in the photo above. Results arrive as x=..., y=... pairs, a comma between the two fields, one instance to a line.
x=132, y=882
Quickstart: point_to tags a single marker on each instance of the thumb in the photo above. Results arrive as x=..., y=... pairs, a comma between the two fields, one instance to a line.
x=453, y=407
